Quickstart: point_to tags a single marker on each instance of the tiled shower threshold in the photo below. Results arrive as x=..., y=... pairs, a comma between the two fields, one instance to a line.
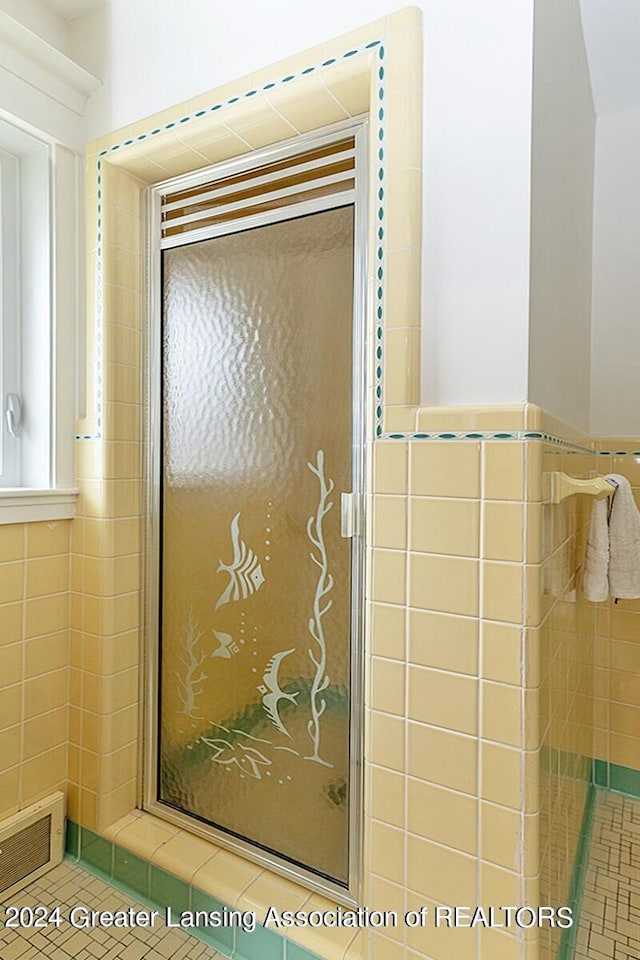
x=609, y=919
x=68, y=886
x=608, y=928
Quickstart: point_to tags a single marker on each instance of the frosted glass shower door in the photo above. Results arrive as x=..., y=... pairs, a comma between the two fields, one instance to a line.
x=256, y=586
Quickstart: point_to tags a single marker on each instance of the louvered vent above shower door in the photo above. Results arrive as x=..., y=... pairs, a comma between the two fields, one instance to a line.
x=255, y=572
x=290, y=185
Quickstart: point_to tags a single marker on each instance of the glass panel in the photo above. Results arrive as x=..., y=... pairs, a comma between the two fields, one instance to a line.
x=256, y=591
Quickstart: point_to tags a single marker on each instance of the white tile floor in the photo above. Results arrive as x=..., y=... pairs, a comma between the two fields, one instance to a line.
x=69, y=886
x=609, y=925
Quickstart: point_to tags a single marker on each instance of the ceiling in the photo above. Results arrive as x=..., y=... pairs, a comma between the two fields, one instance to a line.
x=612, y=38
x=71, y=9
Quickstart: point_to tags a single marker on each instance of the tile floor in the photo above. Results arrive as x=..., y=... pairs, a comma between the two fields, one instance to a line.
x=609, y=925
x=68, y=886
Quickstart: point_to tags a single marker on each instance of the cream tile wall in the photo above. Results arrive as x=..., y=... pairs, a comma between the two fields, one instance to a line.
x=106, y=560
x=451, y=817
x=563, y=635
x=480, y=654
x=465, y=565
x=105, y=612
x=617, y=703
x=34, y=659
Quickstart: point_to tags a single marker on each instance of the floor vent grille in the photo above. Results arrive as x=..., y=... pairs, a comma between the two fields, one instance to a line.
x=31, y=843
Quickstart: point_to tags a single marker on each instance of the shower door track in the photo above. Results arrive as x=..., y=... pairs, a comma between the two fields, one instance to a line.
x=361, y=427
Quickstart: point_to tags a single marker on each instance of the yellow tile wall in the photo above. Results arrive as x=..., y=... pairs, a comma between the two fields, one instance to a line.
x=34, y=661
x=106, y=560
x=451, y=817
x=457, y=554
x=563, y=636
x=617, y=654
x=105, y=614
x=480, y=655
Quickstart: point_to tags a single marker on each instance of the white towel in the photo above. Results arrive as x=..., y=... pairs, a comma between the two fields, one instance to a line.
x=612, y=566
x=595, y=581
x=624, y=543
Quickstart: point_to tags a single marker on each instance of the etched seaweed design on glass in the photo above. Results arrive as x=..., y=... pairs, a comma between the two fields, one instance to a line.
x=321, y=606
x=191, y=676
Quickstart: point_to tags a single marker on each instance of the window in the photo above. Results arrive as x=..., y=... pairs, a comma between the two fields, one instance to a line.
x=9, y=314
x=38, y=296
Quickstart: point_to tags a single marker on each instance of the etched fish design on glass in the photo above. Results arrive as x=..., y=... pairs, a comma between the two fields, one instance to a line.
x=229, y=752
x=227, y=647
x=245, y=570
x=272, y=692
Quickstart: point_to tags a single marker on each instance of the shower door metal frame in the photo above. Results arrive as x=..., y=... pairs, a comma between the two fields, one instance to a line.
x=361, y=419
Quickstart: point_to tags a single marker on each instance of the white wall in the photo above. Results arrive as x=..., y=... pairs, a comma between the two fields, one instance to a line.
x=38, y=18
x=561, y=215
x=154, y=53
x=40, y=86
x=615, y=387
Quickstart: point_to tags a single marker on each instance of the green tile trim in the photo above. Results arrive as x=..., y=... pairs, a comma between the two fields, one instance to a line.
x=615, y=777
x=295, y=952
x=97, y=851
x=617, y=453
x=567, y=942
x=131, y=871
x=262, y=944
x=72, y=839
x=600, y=773
x=156, y=889
x=483, y=435
x=220, y=938
x=169, y=890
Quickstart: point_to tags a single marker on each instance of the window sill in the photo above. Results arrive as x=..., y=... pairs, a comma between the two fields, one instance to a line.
x=25, y=504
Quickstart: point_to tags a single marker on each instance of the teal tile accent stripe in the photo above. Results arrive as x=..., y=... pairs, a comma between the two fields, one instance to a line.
x=618, y=453
x=157, y=889
x=377, y=111
x=265, y=88
x=378, y=114
x=615, y=777
x=484, y=435
x=567, y=943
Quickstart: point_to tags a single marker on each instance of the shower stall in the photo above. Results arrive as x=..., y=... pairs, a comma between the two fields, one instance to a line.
x=256, y=475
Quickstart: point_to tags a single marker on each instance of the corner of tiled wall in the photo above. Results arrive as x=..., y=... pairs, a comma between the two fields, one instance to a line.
x=562, y=635
x=617, y=652
x=453, y=782
x=106, y=538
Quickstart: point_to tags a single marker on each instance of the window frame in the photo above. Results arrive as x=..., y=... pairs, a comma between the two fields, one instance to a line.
x=44, y=328
x=9, y=308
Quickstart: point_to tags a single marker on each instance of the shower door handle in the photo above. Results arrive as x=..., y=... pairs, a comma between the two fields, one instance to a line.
x=351, y=513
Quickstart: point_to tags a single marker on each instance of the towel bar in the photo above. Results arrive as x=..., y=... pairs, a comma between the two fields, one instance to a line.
x=563, y=486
